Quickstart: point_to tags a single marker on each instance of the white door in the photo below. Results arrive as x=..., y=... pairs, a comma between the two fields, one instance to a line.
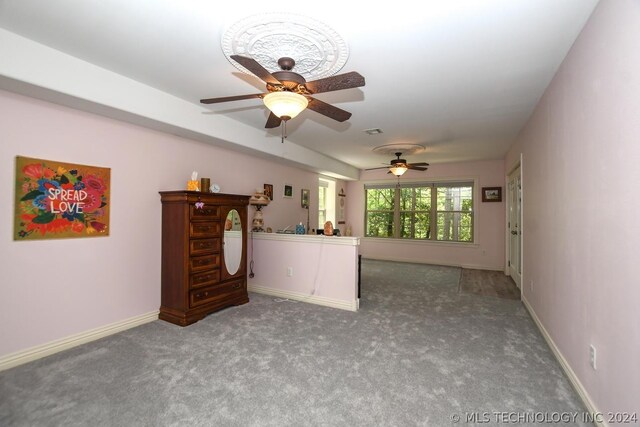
x=515, y=227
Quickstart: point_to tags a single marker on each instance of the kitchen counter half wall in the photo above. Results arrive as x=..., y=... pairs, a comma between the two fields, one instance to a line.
x=320, y=270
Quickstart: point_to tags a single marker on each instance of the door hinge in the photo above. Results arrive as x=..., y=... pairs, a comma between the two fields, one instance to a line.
x=508, y=263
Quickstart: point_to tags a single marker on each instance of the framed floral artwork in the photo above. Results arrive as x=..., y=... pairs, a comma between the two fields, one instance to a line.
x=56, y=200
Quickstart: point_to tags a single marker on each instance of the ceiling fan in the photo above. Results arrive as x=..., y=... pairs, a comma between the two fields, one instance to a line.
x=289, y=93
x=399, y=166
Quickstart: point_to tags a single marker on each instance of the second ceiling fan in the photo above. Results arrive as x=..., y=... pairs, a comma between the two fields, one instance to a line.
x=399, y=166
x=289, y=93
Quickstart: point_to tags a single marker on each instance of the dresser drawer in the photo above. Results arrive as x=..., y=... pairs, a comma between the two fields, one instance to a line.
x=206, y=262
x=204, y=246
x=213, y=293
x=204, y=229
x=206, y=278
x=204, y=213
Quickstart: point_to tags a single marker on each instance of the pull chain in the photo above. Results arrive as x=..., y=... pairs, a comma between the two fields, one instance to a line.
x=284, y=131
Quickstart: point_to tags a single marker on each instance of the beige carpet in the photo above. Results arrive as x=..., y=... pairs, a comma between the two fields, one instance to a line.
x=488, y=283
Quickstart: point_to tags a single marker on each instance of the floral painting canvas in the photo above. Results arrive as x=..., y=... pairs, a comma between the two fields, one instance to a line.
x=60, y=200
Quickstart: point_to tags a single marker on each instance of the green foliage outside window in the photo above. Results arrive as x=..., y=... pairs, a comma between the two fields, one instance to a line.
x=380, y=204
x=428, y=212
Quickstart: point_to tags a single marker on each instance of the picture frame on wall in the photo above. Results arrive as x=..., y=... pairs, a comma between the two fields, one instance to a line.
x=288, y=191
x=491, y=194
x=55, y=200
x=268, y=191
x=304, y=198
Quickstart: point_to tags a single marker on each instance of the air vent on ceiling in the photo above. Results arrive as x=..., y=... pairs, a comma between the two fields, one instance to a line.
x=373, y=131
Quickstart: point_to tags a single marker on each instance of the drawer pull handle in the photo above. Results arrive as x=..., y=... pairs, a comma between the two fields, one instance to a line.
x=236, y=286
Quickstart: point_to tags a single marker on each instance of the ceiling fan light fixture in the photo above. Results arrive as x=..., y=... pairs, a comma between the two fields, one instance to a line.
x=398, y=170
x=285, y=105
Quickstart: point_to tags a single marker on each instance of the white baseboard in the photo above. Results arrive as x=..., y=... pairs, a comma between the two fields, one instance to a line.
x=573, y=378
x=37, y=352
x=312, y=299
x=446, y=264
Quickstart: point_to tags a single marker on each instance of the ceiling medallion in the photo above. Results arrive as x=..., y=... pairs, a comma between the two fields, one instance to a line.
x=405, y=149
x=317, y=49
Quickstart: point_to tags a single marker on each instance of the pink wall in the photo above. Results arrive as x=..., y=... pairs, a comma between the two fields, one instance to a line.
x=56, y=288
x=487, y=252
x=320, y=266
x=581, y=157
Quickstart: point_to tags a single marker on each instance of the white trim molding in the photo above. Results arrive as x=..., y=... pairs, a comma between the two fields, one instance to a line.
x=24, y=356
x=426, y=242
x=573, y=378
x=446, y=264
x=312, y=299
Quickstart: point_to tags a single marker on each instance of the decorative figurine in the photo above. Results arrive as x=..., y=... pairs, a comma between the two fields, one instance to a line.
x=328, y=228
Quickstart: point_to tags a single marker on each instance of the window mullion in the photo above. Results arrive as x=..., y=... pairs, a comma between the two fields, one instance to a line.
x=433, y=222
x=396, y=213
x=413, y=214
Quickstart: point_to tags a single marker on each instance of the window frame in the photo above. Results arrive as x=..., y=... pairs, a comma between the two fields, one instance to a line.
x=329, y=210
x=433, y=211
x=322, y=202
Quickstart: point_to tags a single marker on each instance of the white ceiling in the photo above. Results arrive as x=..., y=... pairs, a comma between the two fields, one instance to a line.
x=460, y=77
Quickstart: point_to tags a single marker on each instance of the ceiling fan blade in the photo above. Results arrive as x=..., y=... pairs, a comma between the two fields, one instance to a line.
x=273, y=121
x=231, y=98
x=416, y=168
x=257, y=69
x=419, y=164
x=339, y=82
x=328, y=110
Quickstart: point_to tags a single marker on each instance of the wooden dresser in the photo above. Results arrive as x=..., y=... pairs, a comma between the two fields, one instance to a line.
x=204, y=266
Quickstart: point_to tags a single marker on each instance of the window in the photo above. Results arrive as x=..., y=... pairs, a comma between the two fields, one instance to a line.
x=379, y=212
x=424, y=211
x=322, y=205
x=326, y=201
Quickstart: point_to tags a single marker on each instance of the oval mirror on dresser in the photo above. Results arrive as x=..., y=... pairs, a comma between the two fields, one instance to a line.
x=232, y=242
